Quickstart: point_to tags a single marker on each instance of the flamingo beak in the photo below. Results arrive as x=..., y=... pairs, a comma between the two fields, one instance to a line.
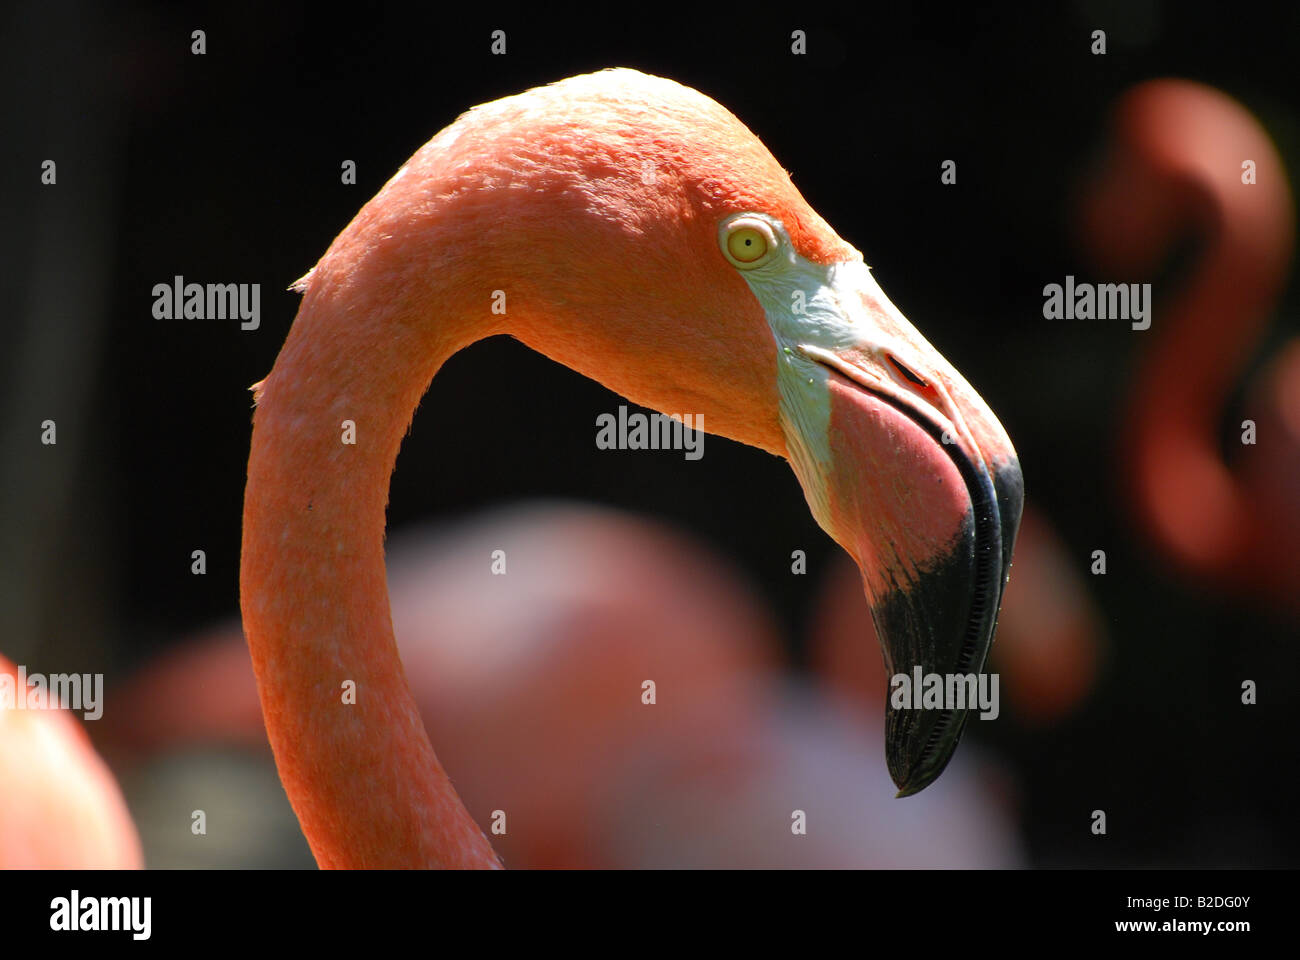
x=924, y=490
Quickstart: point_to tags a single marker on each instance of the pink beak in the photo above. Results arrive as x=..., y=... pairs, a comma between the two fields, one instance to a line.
x=924, y=490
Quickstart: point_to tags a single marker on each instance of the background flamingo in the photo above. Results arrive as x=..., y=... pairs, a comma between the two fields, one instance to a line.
x=1174, y=172
x=528, y=680
x=60, y=807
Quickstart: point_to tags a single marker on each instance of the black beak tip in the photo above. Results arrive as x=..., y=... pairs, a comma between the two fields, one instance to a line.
x=921, y=627
x=910, y=789
x=914, y=766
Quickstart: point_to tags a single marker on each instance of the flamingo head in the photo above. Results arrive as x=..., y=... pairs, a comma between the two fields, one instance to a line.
x=719, y=291
x=900, y=459
x=901, y=462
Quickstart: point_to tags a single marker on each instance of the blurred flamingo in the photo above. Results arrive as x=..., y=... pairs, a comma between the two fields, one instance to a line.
x=535, y=677
x=527, y=679
x=60, y=807
x=1177, y=170
x=640, y=234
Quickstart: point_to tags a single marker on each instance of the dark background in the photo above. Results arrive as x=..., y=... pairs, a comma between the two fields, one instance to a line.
x=225, y=168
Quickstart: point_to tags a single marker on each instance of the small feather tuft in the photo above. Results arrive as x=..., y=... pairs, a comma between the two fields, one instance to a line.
x=300, y=285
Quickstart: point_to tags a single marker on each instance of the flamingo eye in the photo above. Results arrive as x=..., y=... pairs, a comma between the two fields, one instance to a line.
x=748, y=242
x=747, y=245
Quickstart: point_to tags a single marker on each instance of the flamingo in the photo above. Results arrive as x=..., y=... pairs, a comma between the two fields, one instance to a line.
x=632, y=229
x=525, y=675
x=1176, y=169
x=585, y=606
x=60, y=807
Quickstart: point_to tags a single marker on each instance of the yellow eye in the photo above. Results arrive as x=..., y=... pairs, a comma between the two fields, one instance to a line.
x=748, y=242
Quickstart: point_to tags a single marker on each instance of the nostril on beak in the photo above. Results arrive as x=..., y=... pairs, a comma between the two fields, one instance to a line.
x=906, y=372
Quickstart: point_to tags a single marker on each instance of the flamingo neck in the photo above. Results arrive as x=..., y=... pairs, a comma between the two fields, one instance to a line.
x=604, y=261
x=348, y=739
x=1210, y=330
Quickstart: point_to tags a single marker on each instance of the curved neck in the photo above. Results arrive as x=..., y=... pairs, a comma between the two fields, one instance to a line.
x=1209, y=332
x=362, y=775
x=609, y=271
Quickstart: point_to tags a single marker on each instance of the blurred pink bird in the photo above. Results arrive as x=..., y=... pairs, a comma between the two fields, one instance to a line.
x=1187, y=162
x=60, y=807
